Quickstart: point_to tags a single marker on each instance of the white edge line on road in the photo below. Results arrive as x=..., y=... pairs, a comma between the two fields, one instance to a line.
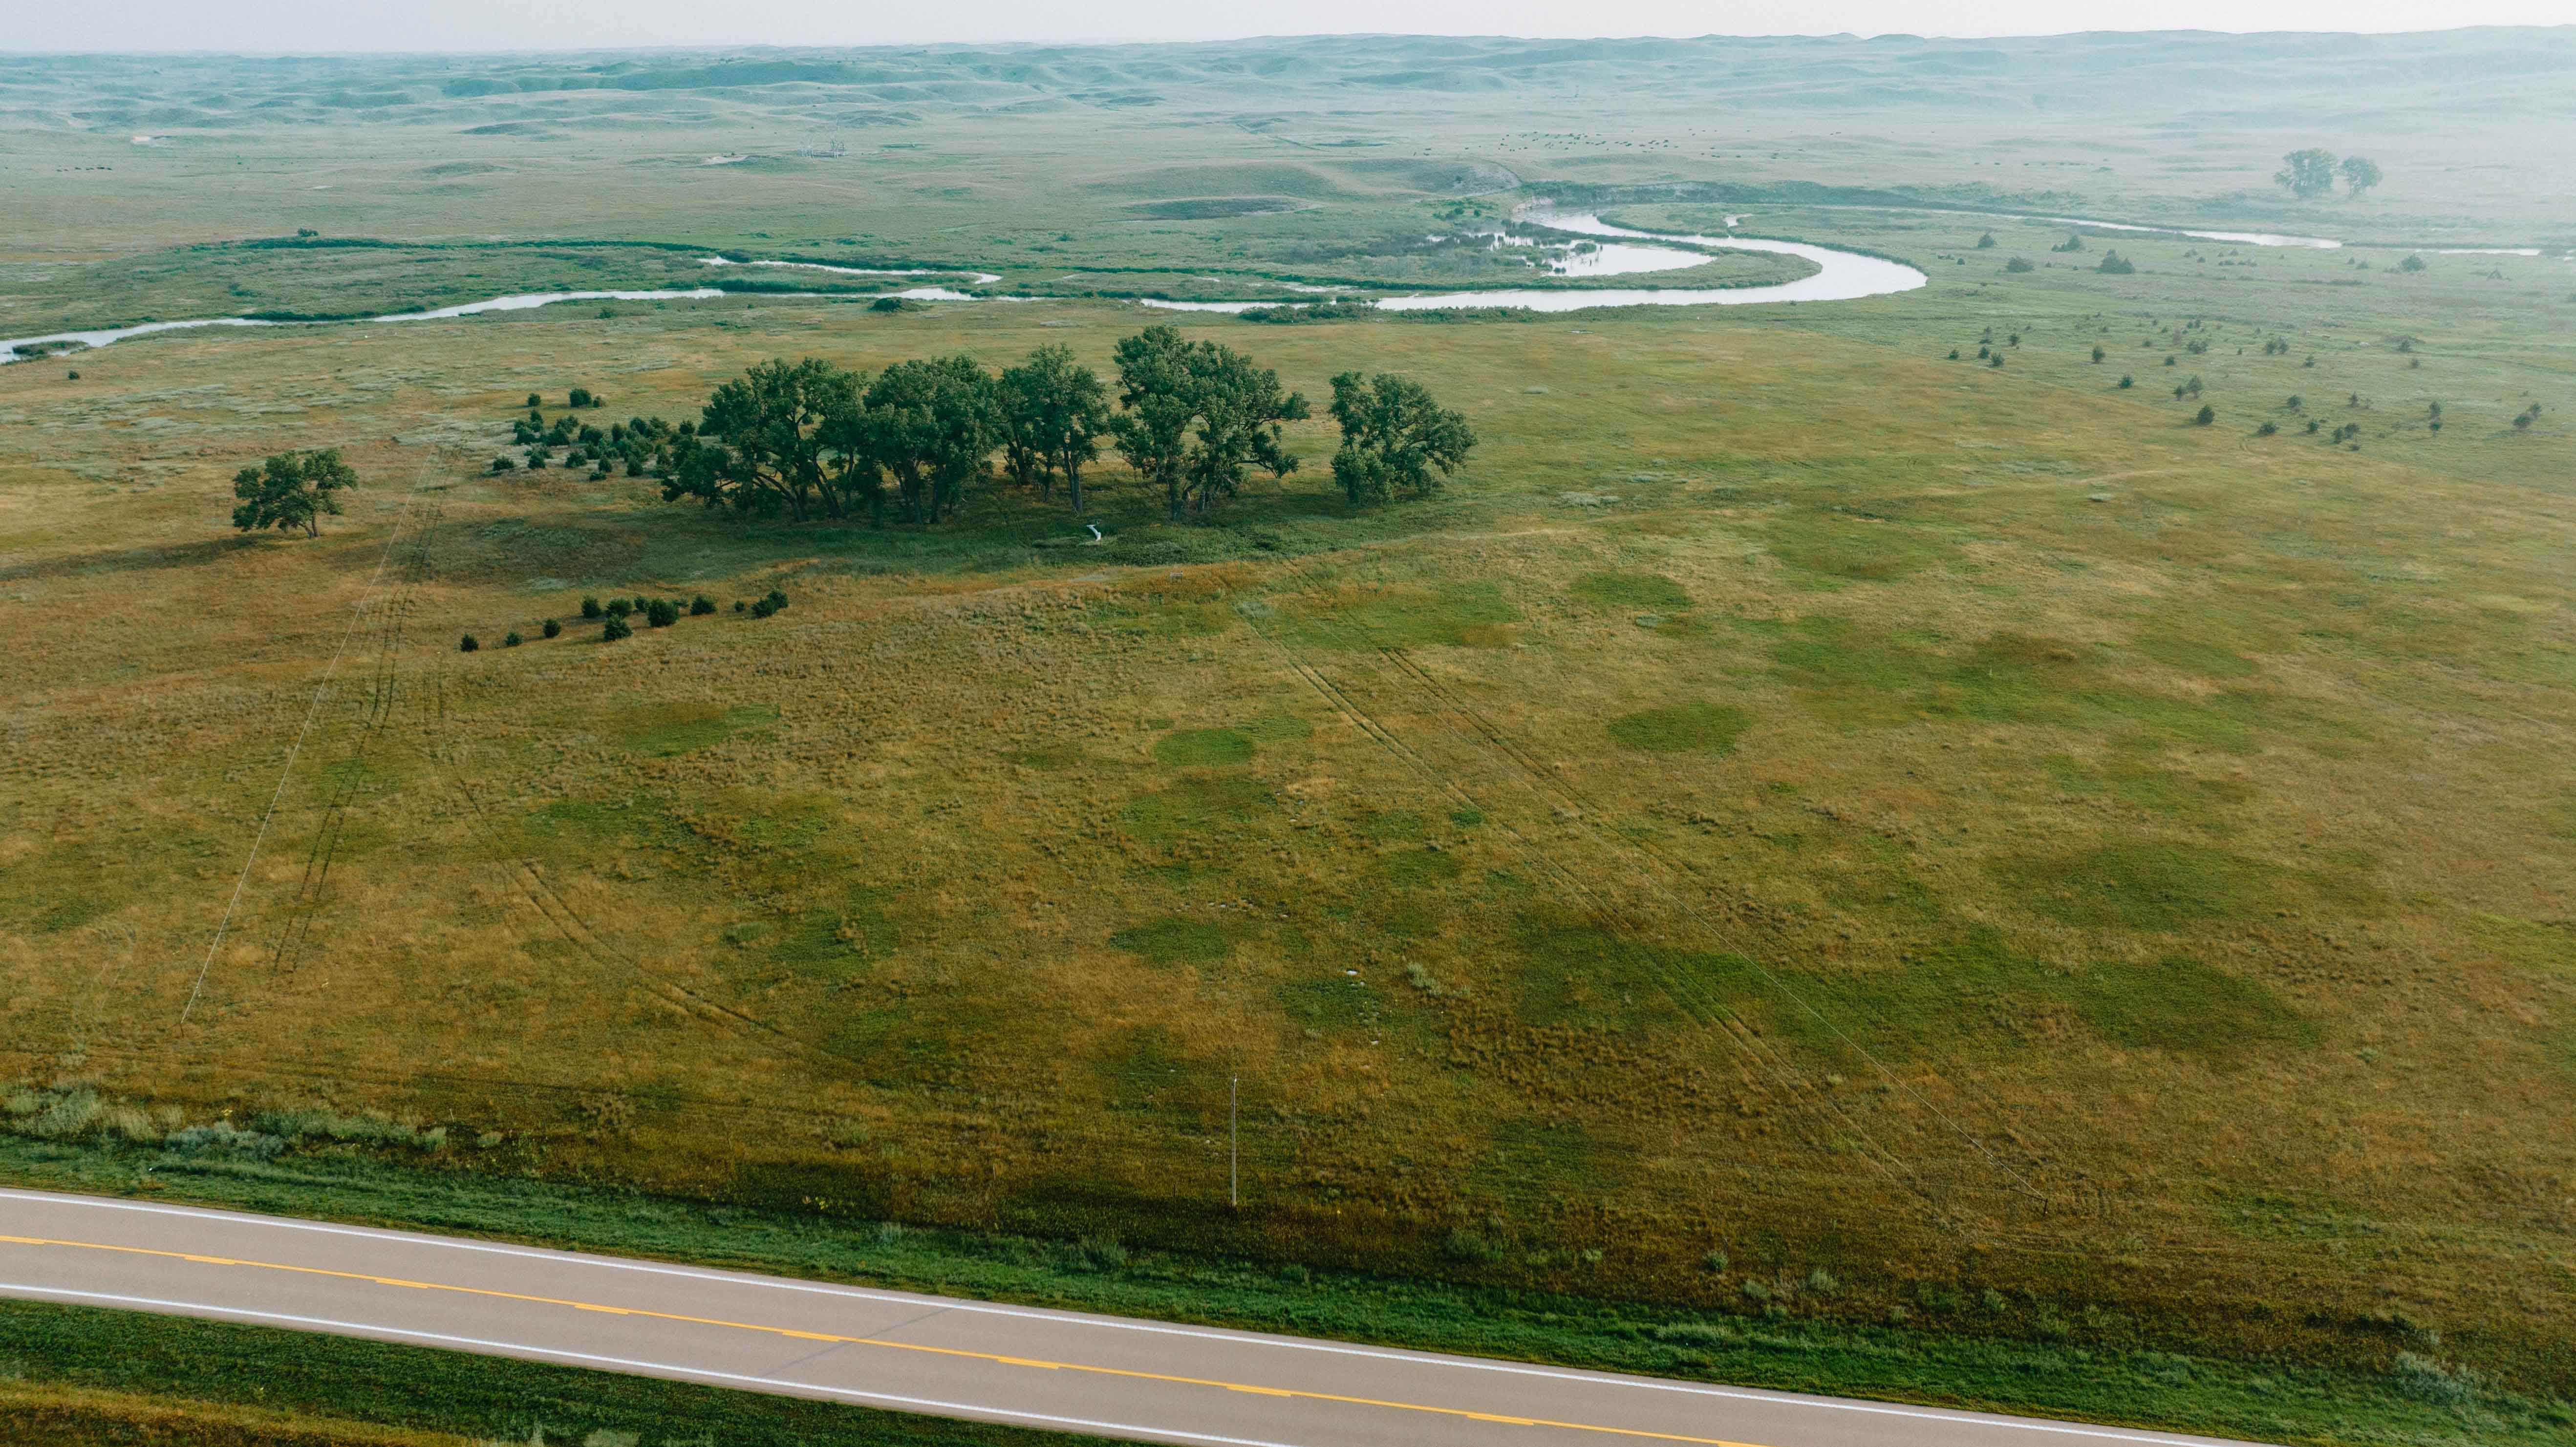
x=856, y=1293
x=770, y=1384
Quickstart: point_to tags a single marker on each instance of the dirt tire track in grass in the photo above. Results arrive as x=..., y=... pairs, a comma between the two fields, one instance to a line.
x=382, y=685
x=1550, y=780
x=1811, y=1104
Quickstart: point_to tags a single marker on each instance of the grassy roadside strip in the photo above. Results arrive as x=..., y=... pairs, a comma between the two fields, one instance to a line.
x=88, y=1375
x=2414, y=1404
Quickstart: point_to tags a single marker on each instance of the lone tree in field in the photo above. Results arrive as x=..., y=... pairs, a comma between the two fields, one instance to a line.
x=1196, y=415
x=775, y=439
x=1394, y=436
x=930, y=425
x=2307, y=174
x=1053, y=412
x=292, y=490
x=2360, y=173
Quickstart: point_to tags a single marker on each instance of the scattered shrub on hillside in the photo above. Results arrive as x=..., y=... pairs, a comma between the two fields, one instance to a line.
x=535, y=401
x=467, y=644
x=620, y=607
x=2266, y=430
x=763, y=608
x=660, y=613
x=776, y=600
x=578, y=397
x=2411, y=263
x=2019, y=265
x=2127, y=381
x=590, y=608
x=739, y=605
x=2098, y=355
x=72, y=375
x=1471, y=1249
x=512, y=639
x=701, y=605
x=2427, y=1380
x=2114, y=264
x=639, y=603
x=1954, y=354
x=503, y=464
x=552, y=629
x=615, y=629
x=1986, y=242
x=2205, y=416
x=1821, y=1280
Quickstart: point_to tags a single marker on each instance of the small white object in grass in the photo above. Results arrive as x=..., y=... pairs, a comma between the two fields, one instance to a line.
x=1095, y=532
x=2097, y=497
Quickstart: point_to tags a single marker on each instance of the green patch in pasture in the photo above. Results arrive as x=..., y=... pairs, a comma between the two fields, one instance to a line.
x=2189, y=1008
x=1051, y=758
x=1176, y=941
x=1205, y=747
x=1632, y=590
x=2205, y=642
x=2560, y=817
x=2140, y=884
x=1330, y=1004
x=2144, y=785
x=1410, y=868
x=1146, y=1070
x=1194, y=807
x=1281, y=727
x=683, y=725
x=1686, y=728
x=1857, y=549
x=1464, y=615
x=67, y=886
x=2543, y=949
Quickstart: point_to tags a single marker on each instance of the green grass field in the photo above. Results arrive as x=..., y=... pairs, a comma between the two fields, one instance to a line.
x=1804, y=830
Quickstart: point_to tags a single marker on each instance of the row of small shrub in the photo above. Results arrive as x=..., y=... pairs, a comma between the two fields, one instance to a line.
x=656, y=613
x=81, y=1113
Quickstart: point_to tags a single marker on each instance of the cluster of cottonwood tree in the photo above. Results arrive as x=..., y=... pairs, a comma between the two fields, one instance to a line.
x=809, y=439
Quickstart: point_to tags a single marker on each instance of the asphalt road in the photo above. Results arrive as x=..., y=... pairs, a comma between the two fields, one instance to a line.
x=1111, y=1376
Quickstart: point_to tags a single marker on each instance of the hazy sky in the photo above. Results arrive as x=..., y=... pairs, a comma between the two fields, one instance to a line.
x=339, y=25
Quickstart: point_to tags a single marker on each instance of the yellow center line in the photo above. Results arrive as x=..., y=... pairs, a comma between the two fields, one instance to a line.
x=879, y=1342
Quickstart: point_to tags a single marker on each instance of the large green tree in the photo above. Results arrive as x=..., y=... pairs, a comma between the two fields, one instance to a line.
x=1394, y=437
x=778, y=438
x=292, y=490
x=2360, y=173
x=2307, y=174
x=1196, y=415
x=1053, y=412
x=932, y=425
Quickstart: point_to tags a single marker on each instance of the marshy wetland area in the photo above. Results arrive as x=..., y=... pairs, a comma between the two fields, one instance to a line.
x=2007, y=841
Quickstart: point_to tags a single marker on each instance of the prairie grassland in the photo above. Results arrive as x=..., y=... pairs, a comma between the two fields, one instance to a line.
x=1804, y=827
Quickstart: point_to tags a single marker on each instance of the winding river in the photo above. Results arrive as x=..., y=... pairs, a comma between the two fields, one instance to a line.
x=1840, y=276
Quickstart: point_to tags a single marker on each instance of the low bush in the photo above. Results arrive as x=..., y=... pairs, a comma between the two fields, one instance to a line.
x=512, y=639
x=615, y=629
x=701, y=606
x=590, y=608
x=467, y=644
x=619, y=607
x=552, y=629
x=661, y=613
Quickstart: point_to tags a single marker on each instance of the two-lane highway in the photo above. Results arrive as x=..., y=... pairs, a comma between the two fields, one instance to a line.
x=1111, y=1376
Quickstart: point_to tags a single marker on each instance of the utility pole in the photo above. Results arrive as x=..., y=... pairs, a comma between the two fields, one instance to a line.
x=1233, y=1142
